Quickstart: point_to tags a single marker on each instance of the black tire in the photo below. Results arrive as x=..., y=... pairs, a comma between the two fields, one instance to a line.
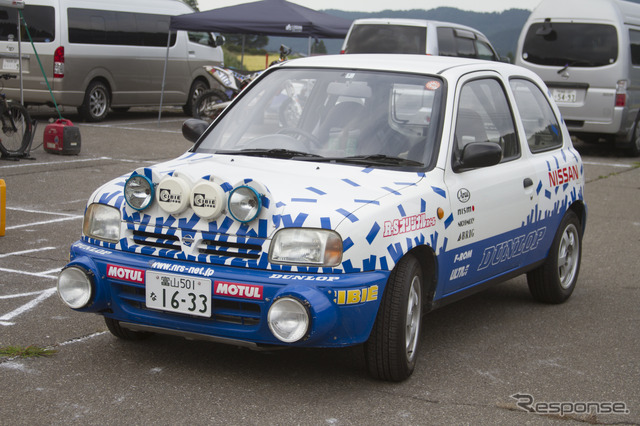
x=96, y=103
x=554, y=281
x=198, y=87
x=123, y=333
x=634, y=146
x=16, y=129
x=392, y=349
x=202, y=107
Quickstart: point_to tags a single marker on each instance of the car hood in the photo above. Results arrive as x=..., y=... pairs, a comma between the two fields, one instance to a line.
x=294, y=193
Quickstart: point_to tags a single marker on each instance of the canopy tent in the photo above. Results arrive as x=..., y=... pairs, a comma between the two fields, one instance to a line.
x=266, y=17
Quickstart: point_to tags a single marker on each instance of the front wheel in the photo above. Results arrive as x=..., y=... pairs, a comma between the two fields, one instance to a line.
x=392, y=349
x=95, y=105
x=555, y=279
x=16, y=129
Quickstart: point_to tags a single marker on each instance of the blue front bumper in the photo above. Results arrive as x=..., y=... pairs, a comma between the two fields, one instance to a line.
x=342, y=307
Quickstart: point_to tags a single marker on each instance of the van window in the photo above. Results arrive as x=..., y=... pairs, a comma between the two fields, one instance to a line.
x=540, y=123
x=576, y=45
x=40, y=20
x=387, y=39
x=118, y=28
x=205, y=39
x=484, y=115
x=634, y=40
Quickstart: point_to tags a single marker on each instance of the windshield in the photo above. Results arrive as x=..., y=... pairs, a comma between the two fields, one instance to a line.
x=571, y=44
x=385, y=38
x=353, y=117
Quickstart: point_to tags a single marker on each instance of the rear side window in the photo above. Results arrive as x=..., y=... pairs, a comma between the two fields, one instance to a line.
x=387, y=39
x=463, y=43
x=90, y=26
x=634, y=40
x=40, y=21
x=540, y=123
x=572, y=44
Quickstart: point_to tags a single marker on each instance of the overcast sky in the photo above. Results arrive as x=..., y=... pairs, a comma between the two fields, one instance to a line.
x=378, y=5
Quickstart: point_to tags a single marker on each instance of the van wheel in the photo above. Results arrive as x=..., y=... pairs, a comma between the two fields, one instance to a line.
x=634, y=149
x=392, y=349
x=198, y=87
x=124, y=333
x=96, y=102
x=554, y=280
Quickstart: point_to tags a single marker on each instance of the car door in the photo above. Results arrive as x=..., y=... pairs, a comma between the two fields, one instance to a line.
x=488, y=228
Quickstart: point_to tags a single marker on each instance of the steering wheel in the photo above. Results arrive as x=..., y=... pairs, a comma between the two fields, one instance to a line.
x=297, y=131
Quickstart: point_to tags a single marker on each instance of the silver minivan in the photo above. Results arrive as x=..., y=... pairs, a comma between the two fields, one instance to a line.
x=100, y=54
x=417, y=36
x=588, y=54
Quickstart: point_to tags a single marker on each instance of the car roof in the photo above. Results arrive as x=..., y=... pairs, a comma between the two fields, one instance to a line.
x=447, y=66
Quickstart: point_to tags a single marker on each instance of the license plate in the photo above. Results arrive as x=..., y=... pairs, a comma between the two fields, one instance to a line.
x=10, y=64
x=178, y=293
x=562, y=95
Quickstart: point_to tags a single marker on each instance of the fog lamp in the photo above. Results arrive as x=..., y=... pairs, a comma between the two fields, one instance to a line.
x=288, y=319
x=244, y=203
x=75, y=287
x=138, y=192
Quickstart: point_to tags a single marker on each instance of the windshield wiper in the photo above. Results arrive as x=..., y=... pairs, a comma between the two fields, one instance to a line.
x=370, y=160
x=271, y=152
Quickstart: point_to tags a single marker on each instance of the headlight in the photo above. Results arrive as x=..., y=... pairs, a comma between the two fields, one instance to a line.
x=138, y=192
x=300, y=246
x=244, y=203
x=75, y=287
x=102, y=222
x=288, y=319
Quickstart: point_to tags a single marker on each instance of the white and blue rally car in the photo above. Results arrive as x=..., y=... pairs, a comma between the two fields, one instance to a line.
x=336, y=201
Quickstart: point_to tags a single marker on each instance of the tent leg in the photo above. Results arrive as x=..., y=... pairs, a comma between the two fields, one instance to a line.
x=164, y=76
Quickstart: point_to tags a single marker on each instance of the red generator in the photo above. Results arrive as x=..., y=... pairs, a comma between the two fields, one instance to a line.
x=62, y=137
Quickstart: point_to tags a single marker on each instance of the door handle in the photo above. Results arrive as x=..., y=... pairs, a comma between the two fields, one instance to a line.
x=527, y=182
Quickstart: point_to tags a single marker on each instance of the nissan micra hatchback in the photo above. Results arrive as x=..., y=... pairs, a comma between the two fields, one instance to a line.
x=399, y=184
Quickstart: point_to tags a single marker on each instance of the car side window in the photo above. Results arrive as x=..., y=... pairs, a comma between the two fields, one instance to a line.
x=484, y=51
x=484, y=115
x=539, y=121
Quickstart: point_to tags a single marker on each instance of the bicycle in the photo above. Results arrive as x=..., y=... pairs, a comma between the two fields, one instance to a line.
x=17, y=126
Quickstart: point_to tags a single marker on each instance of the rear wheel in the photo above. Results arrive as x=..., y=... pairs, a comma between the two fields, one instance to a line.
x=205, y=106
x=634, y=148
x=554, y=280
x=16, y=129
x=123, y=333
x=97, y=100
x=392, y=349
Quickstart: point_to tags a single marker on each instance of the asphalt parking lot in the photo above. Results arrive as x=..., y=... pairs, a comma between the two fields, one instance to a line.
x=477, y=354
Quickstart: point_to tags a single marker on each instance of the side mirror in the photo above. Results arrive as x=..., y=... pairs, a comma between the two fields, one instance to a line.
x=478, y=154
x=220, y=40
x=193, y=128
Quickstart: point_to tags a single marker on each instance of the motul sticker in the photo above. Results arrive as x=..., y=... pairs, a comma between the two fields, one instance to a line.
x=243, y=291
x=125, y=274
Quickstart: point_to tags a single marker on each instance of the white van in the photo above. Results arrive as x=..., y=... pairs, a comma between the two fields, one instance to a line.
x=417, y=36
x=588, y=54
x=106, y=54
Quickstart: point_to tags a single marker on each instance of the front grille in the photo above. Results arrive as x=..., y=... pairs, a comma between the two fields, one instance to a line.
x=152, y=239
x=165, y=242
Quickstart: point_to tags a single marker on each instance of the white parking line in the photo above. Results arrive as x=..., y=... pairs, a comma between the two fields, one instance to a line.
x=599, y=163
x=46, y=222
x=18, y=253
x=44, y=295
x=79, y=160
x=45, y=274
x=40, y=212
